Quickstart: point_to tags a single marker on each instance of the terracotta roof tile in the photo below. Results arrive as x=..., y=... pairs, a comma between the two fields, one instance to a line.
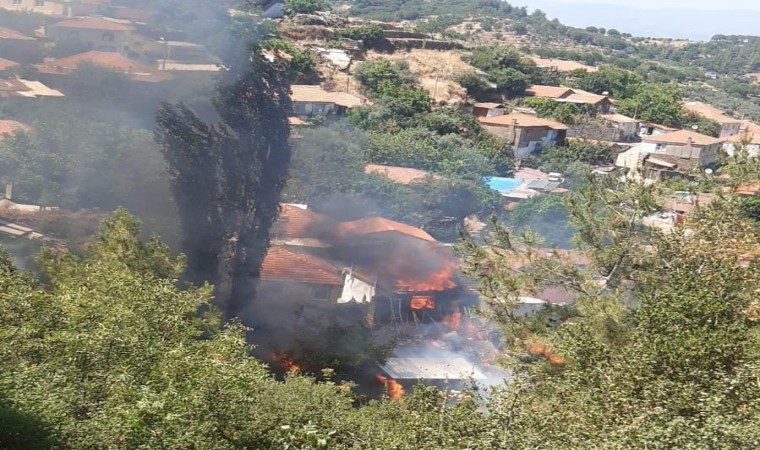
x=681, y=137
x=281, y=264
x=12, y=126
x=297, y=222
x=6, y=64
x=315, y=94
x=376, y=225
x=11, y=34
x=749, y=189
x=94, y=23
x=618, y=118
x=112, y=60
x=522, y=120
x=584, y=98
x=709, y=112
x=540, y=91
x=748, y=131
x=401, y=175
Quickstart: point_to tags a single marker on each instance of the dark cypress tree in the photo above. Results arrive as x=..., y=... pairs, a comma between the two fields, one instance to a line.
x=227, y=177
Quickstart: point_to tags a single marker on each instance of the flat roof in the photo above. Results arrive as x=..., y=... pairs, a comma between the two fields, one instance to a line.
x=421, y=362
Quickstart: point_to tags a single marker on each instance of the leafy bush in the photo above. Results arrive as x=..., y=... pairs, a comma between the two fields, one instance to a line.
x=370, y=35
x=305, y=6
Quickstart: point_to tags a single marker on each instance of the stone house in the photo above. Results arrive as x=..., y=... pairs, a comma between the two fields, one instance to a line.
x=525, y=132
x=97, y=33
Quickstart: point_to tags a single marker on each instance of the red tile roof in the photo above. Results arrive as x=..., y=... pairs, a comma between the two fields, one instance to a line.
x=584, y=98
x=401, y=175
x=296, y=222
x=11, y=126
x=682, y=137
x=111, y=60
x=540, y=91
x=749, y=189
x=618, y=118
x=281, y=264
x=709, y=112
x=9, y=33
x=522, y=121
x=6, y=64
x=296, y=122
x=94, y=23
x=376, y=225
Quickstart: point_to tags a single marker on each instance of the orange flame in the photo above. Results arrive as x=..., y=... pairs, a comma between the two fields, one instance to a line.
x=453, y=321
x=286, y=362
x=422, y=302
x=437, y=281
x=394, y=388
x=547, y=353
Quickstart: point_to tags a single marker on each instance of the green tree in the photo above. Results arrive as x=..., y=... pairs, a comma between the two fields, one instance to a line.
x=474, y=84
x=152, y=373
x=227, y=178
x=617, y=83
x=370, y=35
x=302, y=66
x=568, y=113
x=665, y=328
x=586, y=152
x=305, y=6
x=510, y=81
x=373, y=74
x=658, y=103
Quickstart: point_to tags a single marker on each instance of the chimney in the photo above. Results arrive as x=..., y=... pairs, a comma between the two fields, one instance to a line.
x=9, y=190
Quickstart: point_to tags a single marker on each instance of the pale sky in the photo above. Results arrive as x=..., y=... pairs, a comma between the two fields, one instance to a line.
x=659, y=4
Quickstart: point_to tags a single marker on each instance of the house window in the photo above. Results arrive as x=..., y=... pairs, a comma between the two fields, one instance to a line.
x=108, y=37
x=660, y=148
x=321, y=293
x=319, y=109
x=299, y=108
x=15, y=2
x=39, y=2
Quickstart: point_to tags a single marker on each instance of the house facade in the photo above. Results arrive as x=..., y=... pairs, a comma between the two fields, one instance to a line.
x=95, y=32
x=670, y=155
x=687, y=149
x=48, y=7
x=598, y=103
x=488, y=109
x=288, y=275
x=310, y=101
x=627, y=128
x=525, y=132
x=728, y=125
x=748, y=137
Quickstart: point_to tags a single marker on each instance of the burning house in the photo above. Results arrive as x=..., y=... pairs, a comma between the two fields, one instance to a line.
x=400, y=271
x=390, y=277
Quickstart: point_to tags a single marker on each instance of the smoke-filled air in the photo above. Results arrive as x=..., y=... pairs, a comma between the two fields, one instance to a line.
x=373, y=224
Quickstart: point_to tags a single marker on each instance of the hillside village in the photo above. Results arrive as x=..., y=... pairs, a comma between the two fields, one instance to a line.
x=431, y=222
x=532, y=113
